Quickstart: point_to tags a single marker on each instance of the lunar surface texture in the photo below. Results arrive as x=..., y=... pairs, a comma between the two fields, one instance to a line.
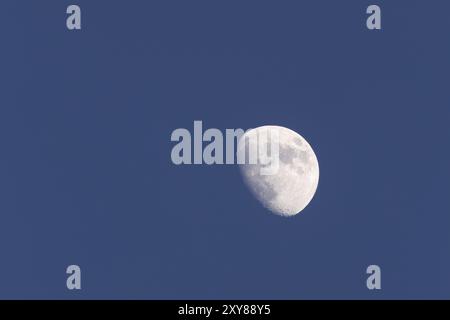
x=291, y=188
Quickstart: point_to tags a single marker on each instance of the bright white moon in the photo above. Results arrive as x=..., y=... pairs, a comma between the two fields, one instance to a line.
x=292, y=187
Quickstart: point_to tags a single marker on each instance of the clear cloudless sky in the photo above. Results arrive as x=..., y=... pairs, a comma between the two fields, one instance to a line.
x=85, y=170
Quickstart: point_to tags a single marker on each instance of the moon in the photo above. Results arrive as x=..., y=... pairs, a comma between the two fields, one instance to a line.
x=291, y=188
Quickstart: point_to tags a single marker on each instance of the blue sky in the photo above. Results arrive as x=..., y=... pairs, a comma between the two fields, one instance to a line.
x=85, y=170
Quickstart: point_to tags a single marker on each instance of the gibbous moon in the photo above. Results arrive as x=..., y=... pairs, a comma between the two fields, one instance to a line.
x=290, y=189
